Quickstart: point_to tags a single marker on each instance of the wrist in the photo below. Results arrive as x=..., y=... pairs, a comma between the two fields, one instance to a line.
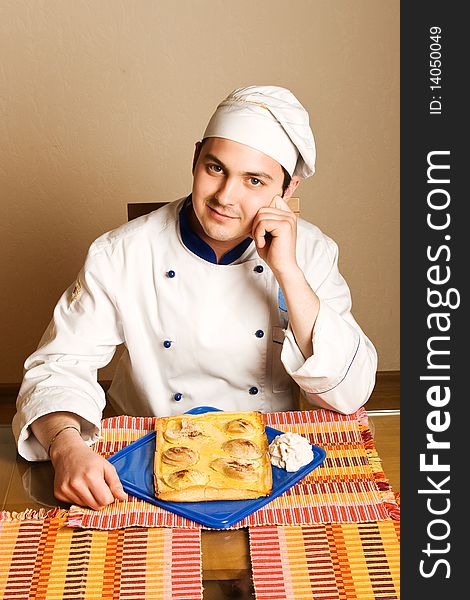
x=63, y=438
x=289, y=276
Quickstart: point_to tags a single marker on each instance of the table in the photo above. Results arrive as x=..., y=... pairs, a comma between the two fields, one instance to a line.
x=226, y=569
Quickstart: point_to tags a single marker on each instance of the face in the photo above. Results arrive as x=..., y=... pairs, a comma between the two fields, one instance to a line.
x=231, y=183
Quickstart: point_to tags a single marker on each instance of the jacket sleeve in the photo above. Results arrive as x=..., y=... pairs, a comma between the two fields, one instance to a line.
x=61, y=375
x=340, y=375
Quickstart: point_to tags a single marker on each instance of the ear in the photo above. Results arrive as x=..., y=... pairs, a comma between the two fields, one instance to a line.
x=197, y=152
x=294, y=182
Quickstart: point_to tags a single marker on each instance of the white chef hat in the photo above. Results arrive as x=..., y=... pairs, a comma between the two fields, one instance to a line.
x=271, y=120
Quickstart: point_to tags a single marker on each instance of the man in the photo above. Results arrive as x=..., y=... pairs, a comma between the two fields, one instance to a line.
x=222, y=298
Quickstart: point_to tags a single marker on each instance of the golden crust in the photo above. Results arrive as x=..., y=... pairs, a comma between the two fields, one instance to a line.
x=213, y=438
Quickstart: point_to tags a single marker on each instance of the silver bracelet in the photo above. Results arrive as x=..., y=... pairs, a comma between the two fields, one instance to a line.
x=54, y=437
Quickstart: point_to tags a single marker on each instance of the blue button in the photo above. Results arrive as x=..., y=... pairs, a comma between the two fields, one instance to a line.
x=178, y=396
x=259, y=333
x=259, y=269
x=167, y=343
x=170, y=274
x=253, y=390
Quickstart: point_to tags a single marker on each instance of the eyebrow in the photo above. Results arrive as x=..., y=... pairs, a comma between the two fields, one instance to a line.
x=260, y=174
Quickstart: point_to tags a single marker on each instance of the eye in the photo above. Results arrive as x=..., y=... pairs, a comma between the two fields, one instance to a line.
x=215, y=168
x=256, y=182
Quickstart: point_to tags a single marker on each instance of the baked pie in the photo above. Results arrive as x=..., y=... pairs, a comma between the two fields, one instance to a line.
x=212, y=456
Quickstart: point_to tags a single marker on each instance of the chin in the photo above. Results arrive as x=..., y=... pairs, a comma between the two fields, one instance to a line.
x=221, y=236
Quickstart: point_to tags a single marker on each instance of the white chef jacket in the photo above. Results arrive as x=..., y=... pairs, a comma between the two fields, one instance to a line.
x=195, y=333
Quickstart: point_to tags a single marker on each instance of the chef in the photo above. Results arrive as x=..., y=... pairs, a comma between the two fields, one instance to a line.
x=222, y=298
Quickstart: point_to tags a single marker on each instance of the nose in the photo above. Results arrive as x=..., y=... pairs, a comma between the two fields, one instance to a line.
x=226, y=193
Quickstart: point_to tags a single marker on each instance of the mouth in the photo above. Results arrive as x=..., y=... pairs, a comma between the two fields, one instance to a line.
x=220, y=216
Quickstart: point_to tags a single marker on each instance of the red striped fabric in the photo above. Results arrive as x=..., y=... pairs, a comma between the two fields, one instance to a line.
x=337, y=561
x=41, y=559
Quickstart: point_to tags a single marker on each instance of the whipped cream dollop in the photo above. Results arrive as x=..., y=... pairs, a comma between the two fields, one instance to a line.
x=290, y=451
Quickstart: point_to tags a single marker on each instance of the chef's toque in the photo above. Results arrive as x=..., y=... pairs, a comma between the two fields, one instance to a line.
x=271, y=120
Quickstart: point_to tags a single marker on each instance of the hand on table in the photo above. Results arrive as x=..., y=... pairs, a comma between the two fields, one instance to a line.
x=83, y=477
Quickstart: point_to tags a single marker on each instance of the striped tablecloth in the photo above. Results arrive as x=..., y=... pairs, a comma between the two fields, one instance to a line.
x=348, y=487
x=42, y=559
x=336, y=561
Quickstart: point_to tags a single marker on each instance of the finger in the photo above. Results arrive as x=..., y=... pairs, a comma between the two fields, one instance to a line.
x=79, y=494
x=114, y=483
x=258, y=235
x=266, y=217
x=92, y=487
x=95, y=501
x=102, y=496
x=96, y=495
x=274, y=226
x=279, y=202
x=275, y=201
x=275, y=214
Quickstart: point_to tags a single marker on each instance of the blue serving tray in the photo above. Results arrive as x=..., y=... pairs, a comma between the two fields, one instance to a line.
x=135, y=466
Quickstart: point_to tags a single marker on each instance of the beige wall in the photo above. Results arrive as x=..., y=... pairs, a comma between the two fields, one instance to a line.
x=101, y=101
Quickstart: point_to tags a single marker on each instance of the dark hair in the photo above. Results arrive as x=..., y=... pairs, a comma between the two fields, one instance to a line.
x=287, y=180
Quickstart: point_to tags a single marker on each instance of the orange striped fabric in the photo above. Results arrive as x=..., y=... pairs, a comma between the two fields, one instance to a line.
x=339, y=561
x=41, y=559
x=348, y=487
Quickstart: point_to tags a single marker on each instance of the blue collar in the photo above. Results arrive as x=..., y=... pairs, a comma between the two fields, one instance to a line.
x=199, y=247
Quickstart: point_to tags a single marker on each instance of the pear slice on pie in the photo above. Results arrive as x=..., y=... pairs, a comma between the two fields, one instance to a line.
x=181, y=429
x=236, y=469
x=240, y=427
x=240, y=448
x=180, y=456
x=186, y=478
